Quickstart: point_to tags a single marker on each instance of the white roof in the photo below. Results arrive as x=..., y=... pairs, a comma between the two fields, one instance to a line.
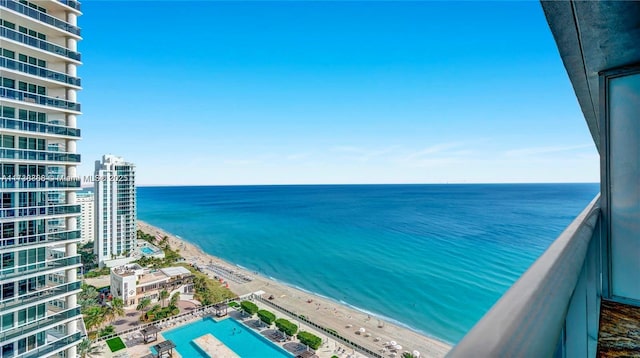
x=175, y=271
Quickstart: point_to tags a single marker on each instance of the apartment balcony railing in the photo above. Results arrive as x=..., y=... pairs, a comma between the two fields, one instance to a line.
x=44, y=293
x=52, y=347
x=39, y=99
x=35, y=127
x=38, y=155
x=40, y=238
x=41, y=324
x=72, y=4
x=39, y=211
x=546, y=309
x=55, y=264
x=55, y=183
x=40, y=16
x=39, y=71
x=36, y=42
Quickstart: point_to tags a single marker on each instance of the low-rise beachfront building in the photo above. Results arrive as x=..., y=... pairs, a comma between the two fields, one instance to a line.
x=133, y=282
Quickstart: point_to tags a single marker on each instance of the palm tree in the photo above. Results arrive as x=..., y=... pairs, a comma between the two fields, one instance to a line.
x=163, y=296
x=174, y=299
x=143, y=304
x=88, y=292
x=88, y=349
x=114, y=310
x=106, y=331
x=94, y=317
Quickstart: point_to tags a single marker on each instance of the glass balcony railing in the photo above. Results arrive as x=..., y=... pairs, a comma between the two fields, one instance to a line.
x=29, y=126
x=72, y=4
x=33, y=238
x=38, y=99
x=41, y=324
x=543, y=306
x=39, y=211
x=56, y=264
x=36, y=42
x=53, y=183
x=38, y=71
x=40, y=155
x=40, y=16
x=52, y=347
x=34, y=297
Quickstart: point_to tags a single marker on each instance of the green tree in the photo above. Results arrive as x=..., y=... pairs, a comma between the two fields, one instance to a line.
x=143, y=304
x=287, y=327
x=88, y=292
x=115, y=309
x=163, y=296
x=309, y=339
x=94, y=317
x=89, y=349
x=249, y=307
x=266, y=317
x=173, y=302
x=106, y=331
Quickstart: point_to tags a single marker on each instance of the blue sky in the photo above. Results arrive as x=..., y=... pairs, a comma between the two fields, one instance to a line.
x=199, y=92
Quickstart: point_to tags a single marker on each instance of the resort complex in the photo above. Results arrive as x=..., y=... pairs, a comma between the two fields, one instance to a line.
x=39, y=113
x=115, y=210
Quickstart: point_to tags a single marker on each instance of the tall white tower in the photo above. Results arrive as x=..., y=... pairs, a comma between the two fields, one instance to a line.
x=114, y=210
x=39, y=313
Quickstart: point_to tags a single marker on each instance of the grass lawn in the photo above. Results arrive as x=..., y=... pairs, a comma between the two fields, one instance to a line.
x=115, y=344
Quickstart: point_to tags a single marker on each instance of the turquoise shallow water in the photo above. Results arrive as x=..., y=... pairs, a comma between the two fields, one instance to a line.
x=431, y=257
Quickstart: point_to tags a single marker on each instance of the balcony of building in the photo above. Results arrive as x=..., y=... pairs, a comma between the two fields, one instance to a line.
x=51, y=320
x=581, y=298
x=73, y=4
x=40, y=268
x=44, y=294
x=38, y=72
x=52, y=347
x=16, y=155
x=36, y=12
x=33, y=212
x=39, y=101
x=53, y=237
x=55, y=47
x=41, y=129
x=64, y=183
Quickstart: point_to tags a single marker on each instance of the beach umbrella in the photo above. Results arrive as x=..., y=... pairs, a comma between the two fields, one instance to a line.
x=398, y=347
x=362, y=330
x=416, y=354
x=392, y=343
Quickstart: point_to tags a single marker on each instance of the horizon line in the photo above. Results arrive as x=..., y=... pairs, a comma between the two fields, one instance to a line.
x=352, y=184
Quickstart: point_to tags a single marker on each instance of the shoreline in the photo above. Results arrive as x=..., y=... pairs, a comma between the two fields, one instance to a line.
x=342, y=317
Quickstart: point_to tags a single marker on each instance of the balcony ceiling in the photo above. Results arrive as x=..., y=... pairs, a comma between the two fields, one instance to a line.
x=594, y=36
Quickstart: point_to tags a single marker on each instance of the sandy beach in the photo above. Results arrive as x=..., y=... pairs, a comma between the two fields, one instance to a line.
x=344, y=320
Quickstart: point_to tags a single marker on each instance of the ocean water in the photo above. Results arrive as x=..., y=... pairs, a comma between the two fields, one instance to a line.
x=434, y=258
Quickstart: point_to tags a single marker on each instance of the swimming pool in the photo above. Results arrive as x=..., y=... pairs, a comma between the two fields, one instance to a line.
x=146, y=250
x=240, y=339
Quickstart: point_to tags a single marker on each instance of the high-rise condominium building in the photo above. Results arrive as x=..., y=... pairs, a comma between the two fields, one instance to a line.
x=86, y=200
x=39, y=313
x=115, y=210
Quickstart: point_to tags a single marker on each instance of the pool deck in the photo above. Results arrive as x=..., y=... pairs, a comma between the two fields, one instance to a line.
x=212, y=347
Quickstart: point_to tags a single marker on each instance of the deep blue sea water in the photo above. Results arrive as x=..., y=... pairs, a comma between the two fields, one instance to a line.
x=432, y=257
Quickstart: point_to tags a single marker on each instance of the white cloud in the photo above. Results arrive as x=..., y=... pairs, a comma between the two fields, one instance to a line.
x=544, y=150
